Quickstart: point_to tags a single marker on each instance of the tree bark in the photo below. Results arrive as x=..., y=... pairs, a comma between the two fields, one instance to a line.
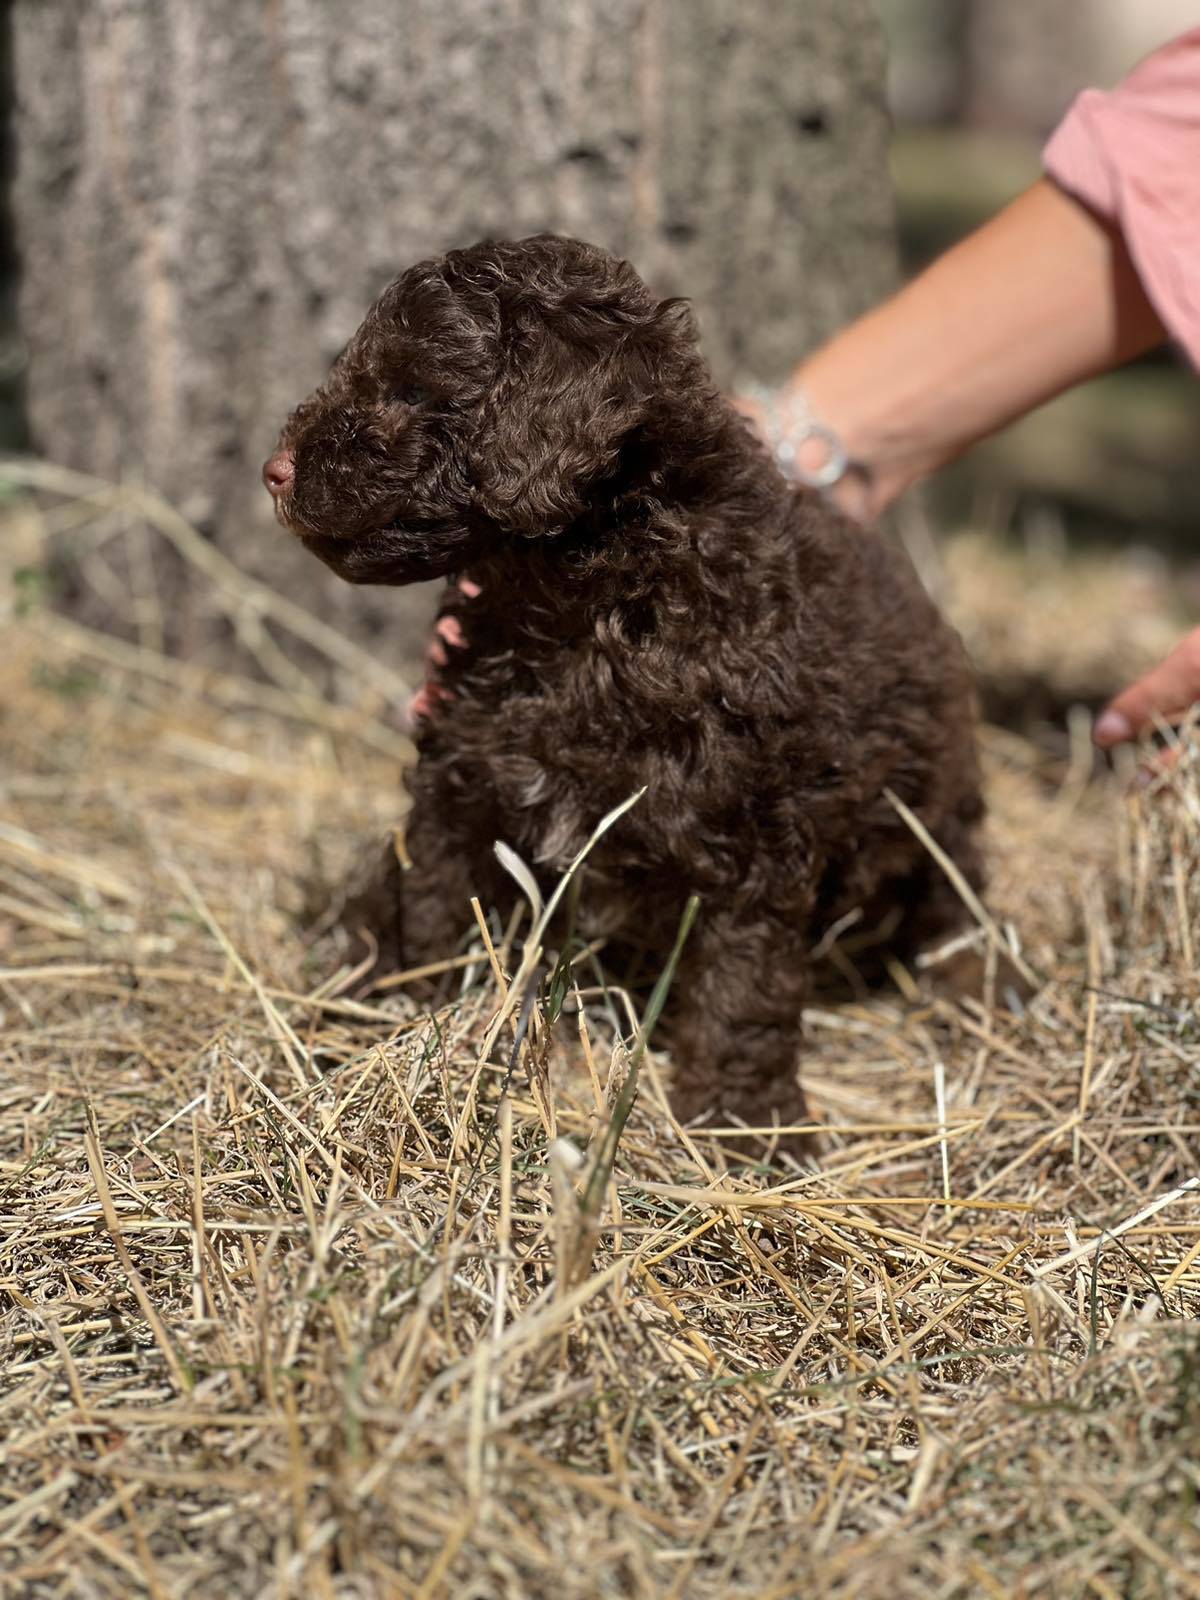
x=208, y=193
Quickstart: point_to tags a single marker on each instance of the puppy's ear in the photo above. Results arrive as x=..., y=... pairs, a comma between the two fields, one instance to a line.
x=579, y=379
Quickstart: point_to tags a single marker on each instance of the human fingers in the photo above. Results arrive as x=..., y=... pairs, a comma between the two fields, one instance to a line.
x=1166, y=691
x=450, y=629
x=446, y=631
x=425, y=702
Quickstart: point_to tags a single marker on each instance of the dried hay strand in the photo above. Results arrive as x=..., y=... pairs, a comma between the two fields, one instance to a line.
x=302, y=1295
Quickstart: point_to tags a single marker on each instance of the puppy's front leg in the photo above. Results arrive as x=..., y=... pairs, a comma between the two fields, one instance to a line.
x=416, y=915
x=736, y=1027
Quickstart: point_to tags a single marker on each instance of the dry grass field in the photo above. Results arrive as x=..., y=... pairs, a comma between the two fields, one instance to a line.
x=308, y=1296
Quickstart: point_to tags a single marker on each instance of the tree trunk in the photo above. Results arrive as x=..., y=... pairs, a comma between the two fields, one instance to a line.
x=207, y=196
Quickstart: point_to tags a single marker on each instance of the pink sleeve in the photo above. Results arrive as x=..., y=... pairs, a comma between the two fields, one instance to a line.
x=1133, y=156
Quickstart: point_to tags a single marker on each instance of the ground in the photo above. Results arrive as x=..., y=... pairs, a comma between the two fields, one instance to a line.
x=304, y=1295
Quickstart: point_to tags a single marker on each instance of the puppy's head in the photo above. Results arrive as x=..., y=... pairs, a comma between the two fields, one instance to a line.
x=496, y=393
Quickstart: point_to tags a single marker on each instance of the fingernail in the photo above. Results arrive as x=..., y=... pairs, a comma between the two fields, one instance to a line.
x=1112, y=728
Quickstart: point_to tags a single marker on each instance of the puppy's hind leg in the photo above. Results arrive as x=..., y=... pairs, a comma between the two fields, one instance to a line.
x=933, y=905
x=936, y=914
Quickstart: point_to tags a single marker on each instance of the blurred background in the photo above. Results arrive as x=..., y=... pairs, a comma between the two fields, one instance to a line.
x=201, y=201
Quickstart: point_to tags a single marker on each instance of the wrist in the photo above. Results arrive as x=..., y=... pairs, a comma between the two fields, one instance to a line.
x=886, y=455
x=808, y=449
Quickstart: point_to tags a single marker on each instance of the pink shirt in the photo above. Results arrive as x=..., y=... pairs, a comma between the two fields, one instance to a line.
x=1133, y=156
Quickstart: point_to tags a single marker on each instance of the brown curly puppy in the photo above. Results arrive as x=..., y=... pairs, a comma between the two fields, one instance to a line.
x=658, y=607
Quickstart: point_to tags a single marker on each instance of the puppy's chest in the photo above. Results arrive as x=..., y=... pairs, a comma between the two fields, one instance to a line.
x=542, y=780
x=550, y=740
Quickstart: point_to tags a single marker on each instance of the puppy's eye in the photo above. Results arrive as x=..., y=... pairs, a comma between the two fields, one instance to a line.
x=410, y=394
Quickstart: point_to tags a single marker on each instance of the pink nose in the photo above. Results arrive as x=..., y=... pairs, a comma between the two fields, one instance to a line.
x=279, y=472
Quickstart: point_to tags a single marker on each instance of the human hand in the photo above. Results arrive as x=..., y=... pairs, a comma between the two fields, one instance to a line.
x=1160, y=695
x=447, y=635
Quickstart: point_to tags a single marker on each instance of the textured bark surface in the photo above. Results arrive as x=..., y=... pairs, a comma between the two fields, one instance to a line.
x=207, y=196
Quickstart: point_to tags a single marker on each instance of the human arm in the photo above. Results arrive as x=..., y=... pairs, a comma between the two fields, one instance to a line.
x=1089, y=267
x=950, y=359
x=1038, y=299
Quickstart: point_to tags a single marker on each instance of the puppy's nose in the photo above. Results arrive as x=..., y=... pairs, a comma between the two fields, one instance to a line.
x=278, y=473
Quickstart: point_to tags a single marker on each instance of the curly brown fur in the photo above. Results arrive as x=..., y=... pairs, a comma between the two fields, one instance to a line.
x=659, y=608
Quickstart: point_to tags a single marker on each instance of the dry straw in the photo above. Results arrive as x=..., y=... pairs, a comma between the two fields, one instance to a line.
x=308, y=1295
